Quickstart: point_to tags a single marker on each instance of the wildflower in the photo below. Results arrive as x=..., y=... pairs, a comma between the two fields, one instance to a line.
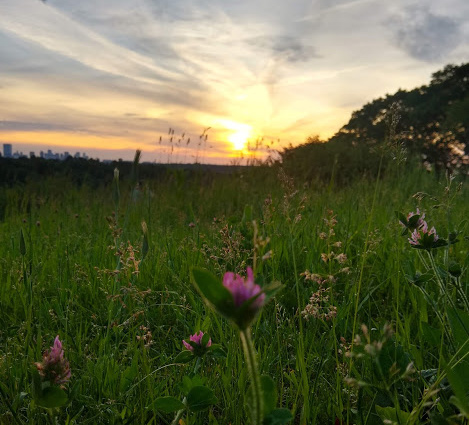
x=243, y=290
x=313, y=277
x=267, y=255
x=325, y=257
x=341, y=258
x=319, y=307
x=54, y=367
x=197, y=340
x=413, y=220
x=423, y=238
x=147, y=337
x=236, y=298
x=420, y=214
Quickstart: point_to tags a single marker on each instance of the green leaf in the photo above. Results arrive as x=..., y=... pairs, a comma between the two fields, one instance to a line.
x=129, y=375
x=188, y=383
x=401, y=217
x=200, y=398
x=458, y=377
x=455, y=269
x=52, y=397
x=413, y=221
x=246, y=312
x=247, y=214
x=213, y=292
x=391, y=355
x=168, y=404
x=431, y=335
x=421, y=278
x=184, y=357
x=462, y=405
x=37, y=385
x=442, y=242
x=269, y=392
x=278, y=417
x=216, y=351
x=205, y=340
x=395, y=416
x=453, y=238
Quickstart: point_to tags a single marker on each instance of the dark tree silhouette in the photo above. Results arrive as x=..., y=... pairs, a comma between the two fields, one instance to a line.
x=433, y=126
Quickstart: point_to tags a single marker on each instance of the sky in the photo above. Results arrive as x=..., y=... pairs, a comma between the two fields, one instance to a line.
x=205, y=80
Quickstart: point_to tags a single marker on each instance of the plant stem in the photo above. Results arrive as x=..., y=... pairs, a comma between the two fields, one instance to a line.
x=257, y=408
x=181, y=411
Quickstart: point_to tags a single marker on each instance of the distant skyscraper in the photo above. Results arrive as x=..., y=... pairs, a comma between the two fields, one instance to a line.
x=7, y=150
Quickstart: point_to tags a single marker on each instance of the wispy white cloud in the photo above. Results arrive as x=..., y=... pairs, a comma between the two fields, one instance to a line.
x=55, y=31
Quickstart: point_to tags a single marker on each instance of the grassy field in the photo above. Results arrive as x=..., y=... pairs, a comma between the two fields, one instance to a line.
x=74, y=262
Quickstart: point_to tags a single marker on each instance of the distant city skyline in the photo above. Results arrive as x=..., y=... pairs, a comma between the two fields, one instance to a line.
x=9, y=153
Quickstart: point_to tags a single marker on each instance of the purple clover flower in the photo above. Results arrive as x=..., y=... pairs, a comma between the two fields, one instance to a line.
x=54, y=367
x=242, y=290
x=420, y=214
x=197, y=338
x=414, y=224
x=422, y=237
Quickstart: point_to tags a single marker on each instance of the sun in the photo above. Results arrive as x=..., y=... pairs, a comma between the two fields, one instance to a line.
x=239, y=134
x=239, y=139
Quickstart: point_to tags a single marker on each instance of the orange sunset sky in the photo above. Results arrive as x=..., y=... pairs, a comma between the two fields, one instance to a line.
x=107, y=77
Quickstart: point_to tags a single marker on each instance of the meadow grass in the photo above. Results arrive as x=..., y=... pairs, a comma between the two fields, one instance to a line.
x=122, y=318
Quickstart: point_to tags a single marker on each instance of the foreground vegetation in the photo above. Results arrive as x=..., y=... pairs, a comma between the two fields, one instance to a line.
x=367, y=327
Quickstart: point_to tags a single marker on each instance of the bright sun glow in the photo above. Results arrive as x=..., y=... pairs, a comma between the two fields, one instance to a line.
x=239, y=139
x=239, y=134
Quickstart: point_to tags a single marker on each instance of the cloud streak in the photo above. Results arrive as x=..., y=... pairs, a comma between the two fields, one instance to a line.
x=53, y=30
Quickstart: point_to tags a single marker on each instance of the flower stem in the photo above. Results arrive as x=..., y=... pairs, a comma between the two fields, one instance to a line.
x=257, y=407
x=179, y=414
x=181, y=411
